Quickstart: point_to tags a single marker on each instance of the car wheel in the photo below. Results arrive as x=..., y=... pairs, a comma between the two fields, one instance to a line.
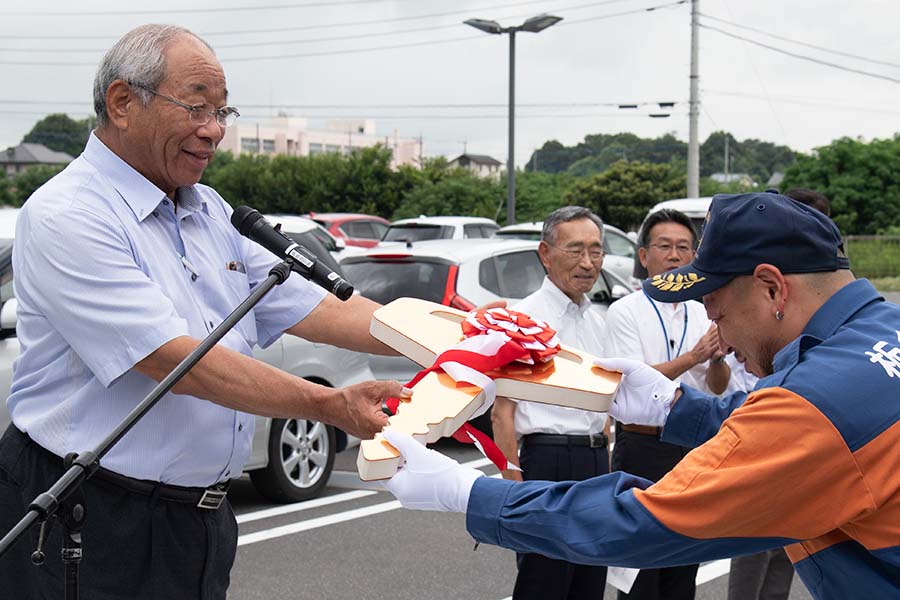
x=301, y=456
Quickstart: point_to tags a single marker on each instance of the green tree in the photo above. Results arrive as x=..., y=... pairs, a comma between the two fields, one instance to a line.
x=624, y=193
x=757, y=158
x=458, y=193
x=241, y=181
x=5, y=189
x=24, y=183
x=537, y=195
x=861, y=179
x=61, y=133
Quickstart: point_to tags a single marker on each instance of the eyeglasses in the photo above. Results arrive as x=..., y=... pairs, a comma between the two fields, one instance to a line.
x=197, y=114
x=667, y=248
x=595, y=254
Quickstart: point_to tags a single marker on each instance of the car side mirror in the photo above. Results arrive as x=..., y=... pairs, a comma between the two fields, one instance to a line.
x=8, y=318
x=340, y=243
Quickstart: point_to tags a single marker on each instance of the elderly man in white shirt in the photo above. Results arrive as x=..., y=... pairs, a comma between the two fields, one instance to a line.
x=682, y=343
x=558, y=443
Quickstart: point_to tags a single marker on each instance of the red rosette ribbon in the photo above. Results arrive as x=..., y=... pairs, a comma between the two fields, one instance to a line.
x=493, y=339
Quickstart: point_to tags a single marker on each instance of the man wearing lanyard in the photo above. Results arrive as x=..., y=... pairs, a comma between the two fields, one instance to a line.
x=679, y=341
x=558, y=443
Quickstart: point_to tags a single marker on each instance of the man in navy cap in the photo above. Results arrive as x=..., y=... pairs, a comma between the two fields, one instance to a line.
x=807, y=460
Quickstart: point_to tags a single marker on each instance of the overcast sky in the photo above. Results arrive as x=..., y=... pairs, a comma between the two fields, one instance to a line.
x=448, y=82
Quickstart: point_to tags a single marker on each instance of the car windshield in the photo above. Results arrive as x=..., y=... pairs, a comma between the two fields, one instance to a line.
x=519, y=234
x=385, y=281
x=415, y=232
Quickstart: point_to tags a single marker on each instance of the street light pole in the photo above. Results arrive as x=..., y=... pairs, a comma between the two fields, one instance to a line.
x=533, y=25
x=510, y=158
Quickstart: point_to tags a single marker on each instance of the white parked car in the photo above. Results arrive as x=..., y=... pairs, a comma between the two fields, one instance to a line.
x=620, y=249
x=439, y=228
x=695, y=208
x=291, y=459
x=293, y=224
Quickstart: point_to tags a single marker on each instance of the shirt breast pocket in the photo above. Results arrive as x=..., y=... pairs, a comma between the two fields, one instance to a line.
x=236, y=288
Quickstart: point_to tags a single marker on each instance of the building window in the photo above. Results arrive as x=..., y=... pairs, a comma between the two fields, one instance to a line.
x=268, y=145
x=315, y=149
x=249, y=145
x=333, y=148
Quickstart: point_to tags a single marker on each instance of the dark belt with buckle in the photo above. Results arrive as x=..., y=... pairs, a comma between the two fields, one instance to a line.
x=593, y=440
x=641, y=429
x=210, y=498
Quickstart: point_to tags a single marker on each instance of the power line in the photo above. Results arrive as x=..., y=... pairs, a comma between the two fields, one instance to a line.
x=799, y=43
x=358, y=50
x=300, y=27
x=218, y=10
x=801, y=56
x=356, y=36
x=804, y=102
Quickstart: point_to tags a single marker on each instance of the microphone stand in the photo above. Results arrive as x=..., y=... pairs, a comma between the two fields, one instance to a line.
x=65, y=496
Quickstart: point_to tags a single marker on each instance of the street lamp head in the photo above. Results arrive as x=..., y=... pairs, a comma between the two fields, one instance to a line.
x=540, y=23
x=485, y=25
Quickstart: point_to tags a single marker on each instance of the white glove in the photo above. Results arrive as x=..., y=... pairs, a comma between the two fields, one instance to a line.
x=645, y=395
x=429, y=480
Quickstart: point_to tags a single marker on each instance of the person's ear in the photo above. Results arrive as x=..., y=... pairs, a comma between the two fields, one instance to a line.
x=120, y=102
x=642, y=256
x=769, y=281
x=544, y=254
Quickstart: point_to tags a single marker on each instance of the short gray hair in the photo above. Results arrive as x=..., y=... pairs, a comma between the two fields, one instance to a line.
x=564, y=215
x=138, y=58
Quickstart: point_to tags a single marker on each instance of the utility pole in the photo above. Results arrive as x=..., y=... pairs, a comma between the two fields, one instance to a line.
x=693, y=163
x=726, y=158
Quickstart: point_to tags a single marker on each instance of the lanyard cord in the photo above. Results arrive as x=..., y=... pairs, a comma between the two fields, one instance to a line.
x=665, y=332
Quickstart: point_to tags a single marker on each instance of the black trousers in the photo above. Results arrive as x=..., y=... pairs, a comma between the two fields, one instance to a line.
x=542, y=578
x=647, y=457
x=135, y=546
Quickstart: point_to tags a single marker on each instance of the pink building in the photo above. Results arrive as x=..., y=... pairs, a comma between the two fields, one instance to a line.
x=290, y=135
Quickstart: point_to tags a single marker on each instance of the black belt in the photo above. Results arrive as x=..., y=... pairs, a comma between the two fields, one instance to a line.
x=209, y=498
x=593, y=440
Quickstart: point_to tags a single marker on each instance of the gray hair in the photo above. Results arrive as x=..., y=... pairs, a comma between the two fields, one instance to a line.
x=564, y=215
x=138, y=58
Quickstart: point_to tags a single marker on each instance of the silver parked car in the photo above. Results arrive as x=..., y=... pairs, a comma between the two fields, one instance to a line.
x=291, y=459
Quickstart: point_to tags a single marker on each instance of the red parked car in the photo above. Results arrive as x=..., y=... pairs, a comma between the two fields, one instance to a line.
x=355, y=229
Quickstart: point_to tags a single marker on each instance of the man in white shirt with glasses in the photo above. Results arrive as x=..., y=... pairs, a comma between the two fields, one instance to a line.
x=559, y=443
x=679, y=341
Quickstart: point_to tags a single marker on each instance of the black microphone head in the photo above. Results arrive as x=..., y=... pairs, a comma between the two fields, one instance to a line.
x=244, y=217
x=343, y=290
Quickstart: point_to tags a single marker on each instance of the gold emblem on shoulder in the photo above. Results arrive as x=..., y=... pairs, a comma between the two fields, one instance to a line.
x=675, y=283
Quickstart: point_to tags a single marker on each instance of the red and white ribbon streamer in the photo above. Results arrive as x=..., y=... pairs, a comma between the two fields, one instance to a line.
x=494, y=338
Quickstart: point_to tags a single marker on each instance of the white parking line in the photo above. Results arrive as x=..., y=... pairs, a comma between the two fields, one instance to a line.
x=713, y=570
x=298, y=506
x=268, y=534
x=349, y=515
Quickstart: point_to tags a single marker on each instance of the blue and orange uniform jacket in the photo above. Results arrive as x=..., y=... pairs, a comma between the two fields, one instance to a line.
x=809, y=460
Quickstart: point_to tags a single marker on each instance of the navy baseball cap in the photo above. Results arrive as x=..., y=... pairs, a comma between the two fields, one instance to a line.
x=745, y=230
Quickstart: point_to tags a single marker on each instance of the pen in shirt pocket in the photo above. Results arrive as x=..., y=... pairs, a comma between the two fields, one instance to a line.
x=235, y=265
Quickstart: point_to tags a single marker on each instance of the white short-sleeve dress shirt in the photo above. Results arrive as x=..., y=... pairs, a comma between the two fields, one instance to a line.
x=579, y=326
x=107, y=271
x=641, y=328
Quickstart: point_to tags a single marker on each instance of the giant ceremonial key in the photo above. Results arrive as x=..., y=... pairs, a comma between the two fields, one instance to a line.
x=439, y=406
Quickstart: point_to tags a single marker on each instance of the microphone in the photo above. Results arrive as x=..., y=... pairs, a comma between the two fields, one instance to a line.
x=253, y=225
